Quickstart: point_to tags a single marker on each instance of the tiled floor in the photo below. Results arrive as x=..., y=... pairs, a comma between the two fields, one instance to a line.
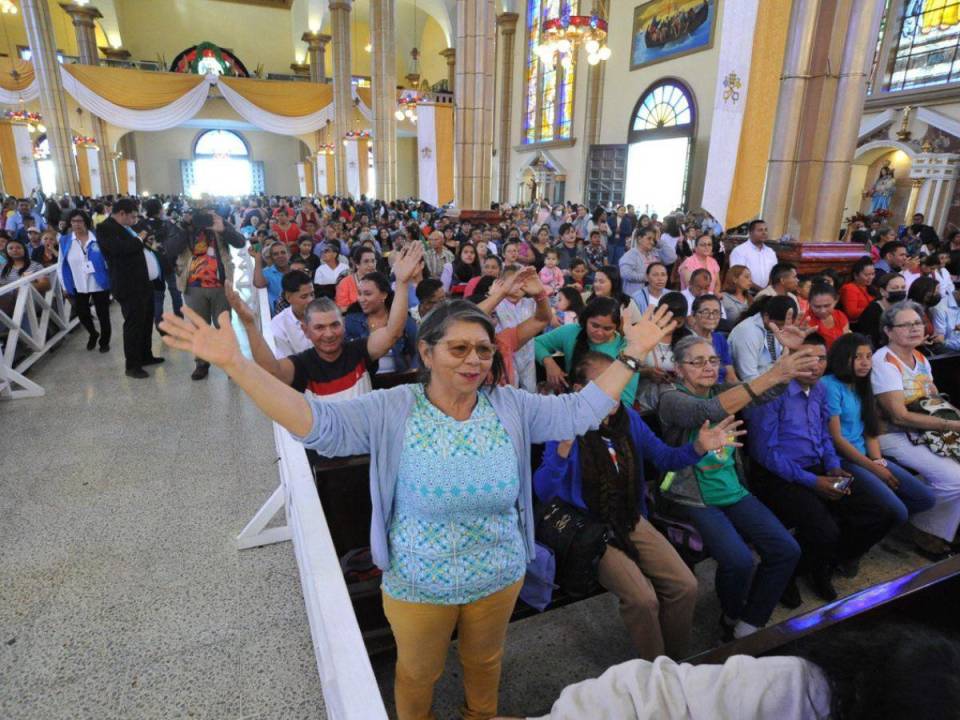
x=121, y=593
x=122, y=596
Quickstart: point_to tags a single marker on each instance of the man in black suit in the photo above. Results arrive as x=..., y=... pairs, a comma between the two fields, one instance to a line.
x=133, y=268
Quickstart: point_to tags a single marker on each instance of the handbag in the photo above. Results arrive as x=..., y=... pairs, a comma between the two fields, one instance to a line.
x=577, y=542
x=945, y=443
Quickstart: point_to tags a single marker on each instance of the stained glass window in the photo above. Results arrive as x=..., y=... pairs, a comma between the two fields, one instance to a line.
x=548, y=106
x=665, y=106
x=928, y=47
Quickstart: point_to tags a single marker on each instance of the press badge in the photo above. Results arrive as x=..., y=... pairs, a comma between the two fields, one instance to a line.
x=88, y=267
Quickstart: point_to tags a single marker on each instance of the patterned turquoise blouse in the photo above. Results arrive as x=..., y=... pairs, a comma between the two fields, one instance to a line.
x=455, y=535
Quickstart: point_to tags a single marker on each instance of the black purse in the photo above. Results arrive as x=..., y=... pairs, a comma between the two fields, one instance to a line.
x=577, y=542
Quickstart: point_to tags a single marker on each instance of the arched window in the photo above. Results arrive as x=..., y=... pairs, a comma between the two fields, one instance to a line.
x=219, y=143
x=548, y=89
x=221, y=165
x=660, y=139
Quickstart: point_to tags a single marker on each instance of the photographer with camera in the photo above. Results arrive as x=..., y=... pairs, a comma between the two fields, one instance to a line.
x=204, y=262
x=159, y=232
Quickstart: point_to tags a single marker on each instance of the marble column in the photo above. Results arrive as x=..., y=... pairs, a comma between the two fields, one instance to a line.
x=507, y=22
x=383, y=78
x=781, y=166
x=450, y=55
x=53, y=104
x=83, y=17
x=342, y=95
x=858, y=50
x=473, y=134
x=316, y=48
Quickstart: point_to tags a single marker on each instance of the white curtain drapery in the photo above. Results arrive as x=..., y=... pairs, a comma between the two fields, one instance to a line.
x=13, y=97
x=163, y=118
x=271, y=122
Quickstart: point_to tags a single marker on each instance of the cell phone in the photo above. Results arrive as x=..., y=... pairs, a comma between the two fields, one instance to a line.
x=842, y=484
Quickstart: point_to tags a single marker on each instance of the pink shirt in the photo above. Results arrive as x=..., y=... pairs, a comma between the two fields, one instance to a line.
x=692, y=263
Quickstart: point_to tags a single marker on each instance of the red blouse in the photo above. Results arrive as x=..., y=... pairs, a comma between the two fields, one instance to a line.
x=854, y=300
x=840, y=324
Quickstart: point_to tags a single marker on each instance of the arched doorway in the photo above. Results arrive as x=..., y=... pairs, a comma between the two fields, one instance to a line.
x=662, y=128
x=221, y=165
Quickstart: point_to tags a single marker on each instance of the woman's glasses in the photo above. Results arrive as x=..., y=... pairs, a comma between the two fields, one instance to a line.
x=708, y=313
x=460, y=349
x=699, y=363
x=914, y=324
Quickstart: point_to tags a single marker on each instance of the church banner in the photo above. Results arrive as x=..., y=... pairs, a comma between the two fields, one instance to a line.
x=730, y=99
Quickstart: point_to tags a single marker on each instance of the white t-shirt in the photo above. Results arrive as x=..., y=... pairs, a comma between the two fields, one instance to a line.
x=759, y=261
x=327, y=276
x=288, y=334
x=891, y=374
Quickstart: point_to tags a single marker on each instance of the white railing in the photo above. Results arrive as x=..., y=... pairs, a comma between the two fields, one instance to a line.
x=350, y=689
x=27, y=326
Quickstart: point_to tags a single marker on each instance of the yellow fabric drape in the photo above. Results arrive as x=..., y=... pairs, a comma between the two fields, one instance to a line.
x=443, y=127
x=756, y=133
x=25, y=77
x=134, y=89
x=12, y=182
x=290, y=99
x=366, y=96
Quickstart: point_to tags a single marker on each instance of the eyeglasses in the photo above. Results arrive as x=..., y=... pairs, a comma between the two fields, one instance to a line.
x=914, y=324
x=708, y=313
x=699, y=363
x=460, y=350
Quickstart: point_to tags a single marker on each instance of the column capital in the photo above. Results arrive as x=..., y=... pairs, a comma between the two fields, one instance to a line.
x=315, y=40
x=81, y=14
x=507, y=21
x=340, y=5
x=450, y=54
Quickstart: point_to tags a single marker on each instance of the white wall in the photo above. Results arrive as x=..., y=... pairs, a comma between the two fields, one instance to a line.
x=622, y=89
x=159, y=155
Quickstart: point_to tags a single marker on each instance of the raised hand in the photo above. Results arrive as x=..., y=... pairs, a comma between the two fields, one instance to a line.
x=793, y=364
x=723, y=434
x=795, y=329
x=409, y=262
x=243, y=311
x=643, y=336
x=217, y=223
x=531, y=283
x=192, y=334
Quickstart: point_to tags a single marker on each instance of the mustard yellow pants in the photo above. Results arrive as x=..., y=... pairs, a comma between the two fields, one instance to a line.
x=423, y=633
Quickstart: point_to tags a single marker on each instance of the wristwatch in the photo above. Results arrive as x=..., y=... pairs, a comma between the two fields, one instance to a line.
x=630, y=362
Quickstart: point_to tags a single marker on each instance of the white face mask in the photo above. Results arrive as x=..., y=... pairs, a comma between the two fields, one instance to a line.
x=557, y=213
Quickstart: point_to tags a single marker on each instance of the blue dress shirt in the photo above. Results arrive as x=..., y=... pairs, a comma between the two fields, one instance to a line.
x=791, y=433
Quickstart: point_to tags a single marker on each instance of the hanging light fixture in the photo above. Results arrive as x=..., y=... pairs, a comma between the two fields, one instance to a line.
x=561, y=37
x=7, y=7
x=32, y=120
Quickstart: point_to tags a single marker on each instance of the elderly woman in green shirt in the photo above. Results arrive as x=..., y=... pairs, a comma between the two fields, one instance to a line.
x=711, y=494
x=597, y=331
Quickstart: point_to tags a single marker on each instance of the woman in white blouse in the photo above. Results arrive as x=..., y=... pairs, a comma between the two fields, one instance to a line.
x=84, y=277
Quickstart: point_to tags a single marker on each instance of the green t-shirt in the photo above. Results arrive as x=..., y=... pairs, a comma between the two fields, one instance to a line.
x=717, y=474
x=564, y=339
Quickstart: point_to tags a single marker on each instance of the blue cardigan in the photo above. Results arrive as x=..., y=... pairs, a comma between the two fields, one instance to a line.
x=559, y=477
x=375, y=423
x=100, y=272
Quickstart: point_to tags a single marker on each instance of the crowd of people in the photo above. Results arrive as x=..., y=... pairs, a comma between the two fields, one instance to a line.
x=624, y=344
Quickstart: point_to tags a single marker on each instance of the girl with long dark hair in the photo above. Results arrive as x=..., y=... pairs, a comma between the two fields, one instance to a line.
x=607, y=282
x=370, y=312
x=597, y=329
x=855, y=427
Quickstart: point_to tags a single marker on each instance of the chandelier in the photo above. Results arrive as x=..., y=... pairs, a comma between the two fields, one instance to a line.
x=32, y=120
x=326, y=149
x=560, y=37
x=407, y=108
x=7, y=7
